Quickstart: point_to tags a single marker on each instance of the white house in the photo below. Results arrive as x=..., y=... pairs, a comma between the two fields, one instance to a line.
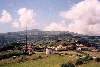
x=49, y=51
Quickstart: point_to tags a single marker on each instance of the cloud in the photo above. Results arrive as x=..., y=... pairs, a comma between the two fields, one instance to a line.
x=15, y=24
x=85, y=17
x=27, y=18
x=6, y=17
x=56, y=26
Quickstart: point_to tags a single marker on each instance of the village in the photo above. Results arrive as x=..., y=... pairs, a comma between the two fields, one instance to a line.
x=63, y=46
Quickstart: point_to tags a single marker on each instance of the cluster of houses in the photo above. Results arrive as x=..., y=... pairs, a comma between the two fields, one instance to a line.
x=79, y=47
x=60, y=47
x=83, y=47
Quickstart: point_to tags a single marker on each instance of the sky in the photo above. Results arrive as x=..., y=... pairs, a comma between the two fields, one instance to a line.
x=79, y=16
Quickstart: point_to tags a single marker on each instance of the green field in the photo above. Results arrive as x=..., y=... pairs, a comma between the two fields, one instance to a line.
x=91, y=64
x=97, y=54
x=51, y=61
x=45, y=61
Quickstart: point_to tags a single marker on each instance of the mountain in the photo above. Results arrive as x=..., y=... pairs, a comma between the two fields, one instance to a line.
x=36, y=36
x=33, y=35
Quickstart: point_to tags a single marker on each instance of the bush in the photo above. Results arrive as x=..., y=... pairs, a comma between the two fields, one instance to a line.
x=63, y=65
x=90, y=58
x=97, y=59
x=39, y=57
x=79, y=61
x=69, y=64
x=9, y=54
x=87, y=58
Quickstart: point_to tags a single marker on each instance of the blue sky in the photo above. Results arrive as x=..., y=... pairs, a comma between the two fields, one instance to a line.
x=47, y=11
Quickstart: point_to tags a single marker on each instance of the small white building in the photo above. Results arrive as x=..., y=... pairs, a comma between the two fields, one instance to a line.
x=78, y=48
x=49, y=51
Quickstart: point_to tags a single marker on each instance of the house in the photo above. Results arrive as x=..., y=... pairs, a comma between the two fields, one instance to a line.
x=49, y=51
x=27, y=50
x=94, y=50
x=61, y=48
x=39, y=48
x=91, y=48
x=81, y=47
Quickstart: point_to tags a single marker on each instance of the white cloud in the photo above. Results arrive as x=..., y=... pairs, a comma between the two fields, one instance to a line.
x=27, y=18
x=56, y=27
x=6, y=17
x=15, y=24
x=85, y=17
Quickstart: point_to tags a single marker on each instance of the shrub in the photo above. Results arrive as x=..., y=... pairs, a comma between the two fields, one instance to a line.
x=69, y=64
x=63, y=65
x=97, y=59
x=87, y=58
x=79, y=61
x=90, y=58
x=9, y=54
x=39, y=57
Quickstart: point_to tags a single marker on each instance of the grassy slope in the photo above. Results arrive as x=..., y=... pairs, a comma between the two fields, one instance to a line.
x=97, y=54
x=52, y=61
x=91, y=64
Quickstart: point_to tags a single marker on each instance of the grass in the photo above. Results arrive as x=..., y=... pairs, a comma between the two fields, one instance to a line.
x=91, y=64
x=51, y=61
x=97, y=54
x=48, y=60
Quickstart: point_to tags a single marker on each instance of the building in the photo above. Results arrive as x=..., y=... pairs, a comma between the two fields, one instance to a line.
x=91, y=48
x=81, y=47
x=61, y=48
x=94, y=50
x=27, y=50
x=39, y=48
x=49, y=51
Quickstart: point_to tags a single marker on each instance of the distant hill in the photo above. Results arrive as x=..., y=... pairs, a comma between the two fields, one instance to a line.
x=34, y=34
x=37, y=35
x=39, y=32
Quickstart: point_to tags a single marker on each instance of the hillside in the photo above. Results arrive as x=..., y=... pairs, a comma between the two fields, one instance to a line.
x=47, y=37
x=33, y=34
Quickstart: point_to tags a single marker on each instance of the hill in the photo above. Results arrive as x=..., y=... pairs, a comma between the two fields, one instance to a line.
x=47, y=37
